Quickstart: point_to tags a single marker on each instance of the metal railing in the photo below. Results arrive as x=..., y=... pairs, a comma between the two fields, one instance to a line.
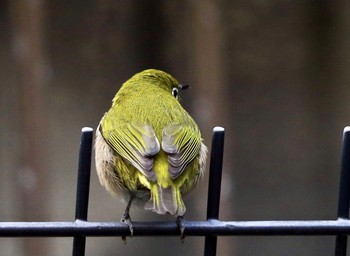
x=210, y=228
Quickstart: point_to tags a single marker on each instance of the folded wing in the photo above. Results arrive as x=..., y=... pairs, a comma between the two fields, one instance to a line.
x=182, y=145
x=137, y=144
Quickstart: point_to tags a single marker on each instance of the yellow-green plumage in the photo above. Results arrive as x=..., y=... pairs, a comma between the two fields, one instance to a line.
x=148, y=146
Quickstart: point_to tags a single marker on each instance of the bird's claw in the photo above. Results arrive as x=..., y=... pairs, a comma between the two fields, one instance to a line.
x=127, y=220
x=181, y=224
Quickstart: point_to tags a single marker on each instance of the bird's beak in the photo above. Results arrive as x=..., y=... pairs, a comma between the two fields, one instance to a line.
x=183, y=86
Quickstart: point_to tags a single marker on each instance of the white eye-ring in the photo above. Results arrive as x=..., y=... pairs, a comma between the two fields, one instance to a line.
x=175, y=92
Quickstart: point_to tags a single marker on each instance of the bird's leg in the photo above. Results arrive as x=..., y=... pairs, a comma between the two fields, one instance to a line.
x=181, y=224
x=127, y=219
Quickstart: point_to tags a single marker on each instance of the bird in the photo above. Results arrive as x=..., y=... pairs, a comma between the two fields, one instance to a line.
x=148, y=149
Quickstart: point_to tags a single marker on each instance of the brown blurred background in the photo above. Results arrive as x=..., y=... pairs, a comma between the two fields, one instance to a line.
x=275, y=74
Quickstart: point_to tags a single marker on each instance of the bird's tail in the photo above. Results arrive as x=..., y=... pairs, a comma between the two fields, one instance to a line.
x=166, y=200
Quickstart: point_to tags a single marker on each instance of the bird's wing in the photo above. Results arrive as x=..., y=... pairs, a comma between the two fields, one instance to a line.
x=182, y=144
x=137, y=144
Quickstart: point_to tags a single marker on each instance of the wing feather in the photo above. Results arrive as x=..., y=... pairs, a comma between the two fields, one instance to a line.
x=182, y=144
x=137, y=144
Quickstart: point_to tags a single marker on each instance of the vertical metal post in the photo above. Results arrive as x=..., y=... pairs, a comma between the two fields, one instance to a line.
x=344, y=192
x=215, y=173
x=83, y=187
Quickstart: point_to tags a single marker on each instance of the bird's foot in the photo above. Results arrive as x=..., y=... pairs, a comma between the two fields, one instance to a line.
x=127, y=220
x=181, y=224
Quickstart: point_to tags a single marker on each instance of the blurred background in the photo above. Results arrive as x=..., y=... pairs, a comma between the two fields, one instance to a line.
x=275, y=74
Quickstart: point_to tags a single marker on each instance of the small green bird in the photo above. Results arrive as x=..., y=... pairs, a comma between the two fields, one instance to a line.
x=148, y=148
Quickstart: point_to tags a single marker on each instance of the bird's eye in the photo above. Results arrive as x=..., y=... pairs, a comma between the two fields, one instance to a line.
x=175, y=92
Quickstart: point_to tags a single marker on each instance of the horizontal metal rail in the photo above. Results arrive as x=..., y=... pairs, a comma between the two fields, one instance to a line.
x=193, y=228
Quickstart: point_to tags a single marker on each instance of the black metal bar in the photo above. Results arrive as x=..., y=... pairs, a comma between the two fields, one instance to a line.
x=193, y=228
x=215, y=173
x=344, y=192
x=83, y=187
